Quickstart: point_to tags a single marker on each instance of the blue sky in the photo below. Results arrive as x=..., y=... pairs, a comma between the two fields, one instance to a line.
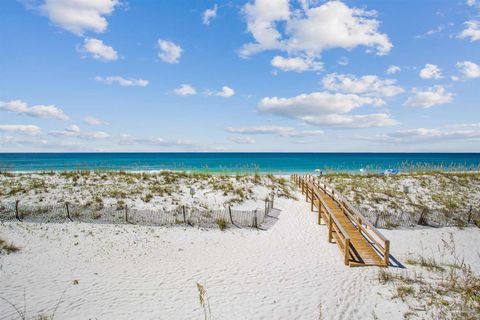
x=258, y=75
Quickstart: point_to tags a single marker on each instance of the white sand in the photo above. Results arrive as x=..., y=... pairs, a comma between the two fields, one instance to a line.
x=137, y=272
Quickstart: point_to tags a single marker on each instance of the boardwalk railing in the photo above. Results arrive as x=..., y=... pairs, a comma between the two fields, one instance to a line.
x=309, y=185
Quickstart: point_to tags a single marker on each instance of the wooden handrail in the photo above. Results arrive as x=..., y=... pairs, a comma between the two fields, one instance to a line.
x=330, y=213
x=354, y=213
x=311, y=184
x=341, y=236
x=340, y=199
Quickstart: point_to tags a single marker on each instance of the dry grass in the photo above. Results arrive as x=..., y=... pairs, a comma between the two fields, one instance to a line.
x=450, y=195
x=7, y=248
x=435, y=290
x=204, y=303
x=222, y=223
x=104, y=188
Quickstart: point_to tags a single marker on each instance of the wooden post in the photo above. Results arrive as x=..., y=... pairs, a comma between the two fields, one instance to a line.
x=421, y=220
x=347, y=251
x=17, y=215
x=230, y=214
x=469, y=215
x=386, y=254
x=376, y=220
x=313, y=200
x=255, y=222
x=329, y=228
x=68, y=211
x=319, y=213
x=185, y=217
x=126, y=213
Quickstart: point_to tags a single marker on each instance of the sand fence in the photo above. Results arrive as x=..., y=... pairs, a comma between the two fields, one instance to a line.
x=426, y=217
x=147, y=215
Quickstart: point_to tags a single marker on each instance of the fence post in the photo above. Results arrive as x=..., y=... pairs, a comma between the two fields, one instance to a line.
x=273, y=200
x=376, y=220
x=126, y=213
x=17, y=215
x=266, y=206
x=231, y=217
x=68, y=211
x=469, y=215
x=184, y=215
x=255, y=219
x=347, y=252
x=230, y=214
x=421, y=220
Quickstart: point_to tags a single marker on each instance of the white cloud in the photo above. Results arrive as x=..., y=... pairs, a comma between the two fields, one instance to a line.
x=30, y=130
x=275, y=130
x=471, y=2
x=126, y=139
x=226, y=92
x=92, y=121
x=123, y=81
x=75, y=132
x=351, y=121
x=472, y=31
x=430, y=97
x=430, y=32
x=325, y=108
x=369, y=85
x=424, y=135
x=73, y=128
x=474, y=125
x=169, y=51
x=185, y=90
x=310, y=30
x=469, y=69
x=392, y=69
x=297, y=64
x=209, y=14
x=79, y=16
x=314, y=103
x=343, y=61
x=262, y=16
x=98, y=50
x=243, y=140
x=431, y=71
x=37, y=111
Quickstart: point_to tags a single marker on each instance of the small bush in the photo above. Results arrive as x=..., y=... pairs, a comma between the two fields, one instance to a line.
x=8, y=248
x=403, y=291
x=148, y=197
x=428, y=263
x=384, y=276
x=222, y=224
x=120, y=205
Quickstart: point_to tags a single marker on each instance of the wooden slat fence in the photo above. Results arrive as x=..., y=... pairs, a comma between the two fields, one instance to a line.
x=64, y=212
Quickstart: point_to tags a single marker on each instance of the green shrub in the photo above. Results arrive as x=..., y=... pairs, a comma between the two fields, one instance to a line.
x=222, y=223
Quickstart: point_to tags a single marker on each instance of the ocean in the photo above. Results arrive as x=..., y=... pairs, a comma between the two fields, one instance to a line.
x=240, y=162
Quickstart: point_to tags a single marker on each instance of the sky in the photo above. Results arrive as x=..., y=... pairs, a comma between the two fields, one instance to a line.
x=233, y=76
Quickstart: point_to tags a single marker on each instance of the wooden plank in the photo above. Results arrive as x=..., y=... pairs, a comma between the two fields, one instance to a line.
x=357, y=250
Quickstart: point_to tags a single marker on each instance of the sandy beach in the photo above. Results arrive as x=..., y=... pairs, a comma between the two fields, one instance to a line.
x=287, y=271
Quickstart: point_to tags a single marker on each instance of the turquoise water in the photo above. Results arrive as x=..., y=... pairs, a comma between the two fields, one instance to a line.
x=240, y=162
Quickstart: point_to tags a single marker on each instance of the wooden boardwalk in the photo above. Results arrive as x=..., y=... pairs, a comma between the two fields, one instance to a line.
x=360, y=243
